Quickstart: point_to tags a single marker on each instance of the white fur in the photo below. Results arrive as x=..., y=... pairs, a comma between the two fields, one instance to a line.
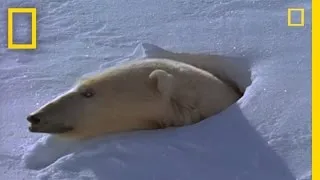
x=146, y=94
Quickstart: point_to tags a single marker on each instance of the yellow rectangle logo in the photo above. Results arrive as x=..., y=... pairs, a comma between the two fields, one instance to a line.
x=11, y=44
x=290, y=10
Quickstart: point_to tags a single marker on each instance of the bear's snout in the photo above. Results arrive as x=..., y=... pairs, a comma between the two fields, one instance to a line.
x=33, y=119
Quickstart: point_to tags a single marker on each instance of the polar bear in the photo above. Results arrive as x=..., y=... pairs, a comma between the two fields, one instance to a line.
x=150, y=94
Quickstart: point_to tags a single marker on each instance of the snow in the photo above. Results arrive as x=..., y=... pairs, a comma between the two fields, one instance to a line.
x=265, y=135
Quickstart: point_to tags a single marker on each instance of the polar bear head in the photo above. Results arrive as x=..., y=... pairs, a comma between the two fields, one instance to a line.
x=76, y=109
x=111, y=102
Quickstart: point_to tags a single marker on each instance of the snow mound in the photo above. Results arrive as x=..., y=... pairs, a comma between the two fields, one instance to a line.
x=265, y=135
x=216, y=145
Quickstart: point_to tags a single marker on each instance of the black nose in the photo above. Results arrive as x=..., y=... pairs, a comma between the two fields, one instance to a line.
x=33, y=119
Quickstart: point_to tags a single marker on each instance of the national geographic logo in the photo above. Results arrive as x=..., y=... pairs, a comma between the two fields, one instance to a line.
x=33, y=12
x=290, y=15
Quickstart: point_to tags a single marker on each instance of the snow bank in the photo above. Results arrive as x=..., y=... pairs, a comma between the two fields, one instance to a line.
x=265, y=135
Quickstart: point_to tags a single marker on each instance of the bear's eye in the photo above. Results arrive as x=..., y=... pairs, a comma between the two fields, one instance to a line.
x=88, y=93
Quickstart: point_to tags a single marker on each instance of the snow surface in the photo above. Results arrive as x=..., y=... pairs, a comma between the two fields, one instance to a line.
x=265, y=135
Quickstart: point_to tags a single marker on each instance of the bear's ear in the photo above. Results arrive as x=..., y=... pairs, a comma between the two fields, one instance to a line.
x=162, y=81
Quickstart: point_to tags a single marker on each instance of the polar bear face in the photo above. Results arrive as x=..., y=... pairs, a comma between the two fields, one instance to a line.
x=80, y=109
x=99, y=105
